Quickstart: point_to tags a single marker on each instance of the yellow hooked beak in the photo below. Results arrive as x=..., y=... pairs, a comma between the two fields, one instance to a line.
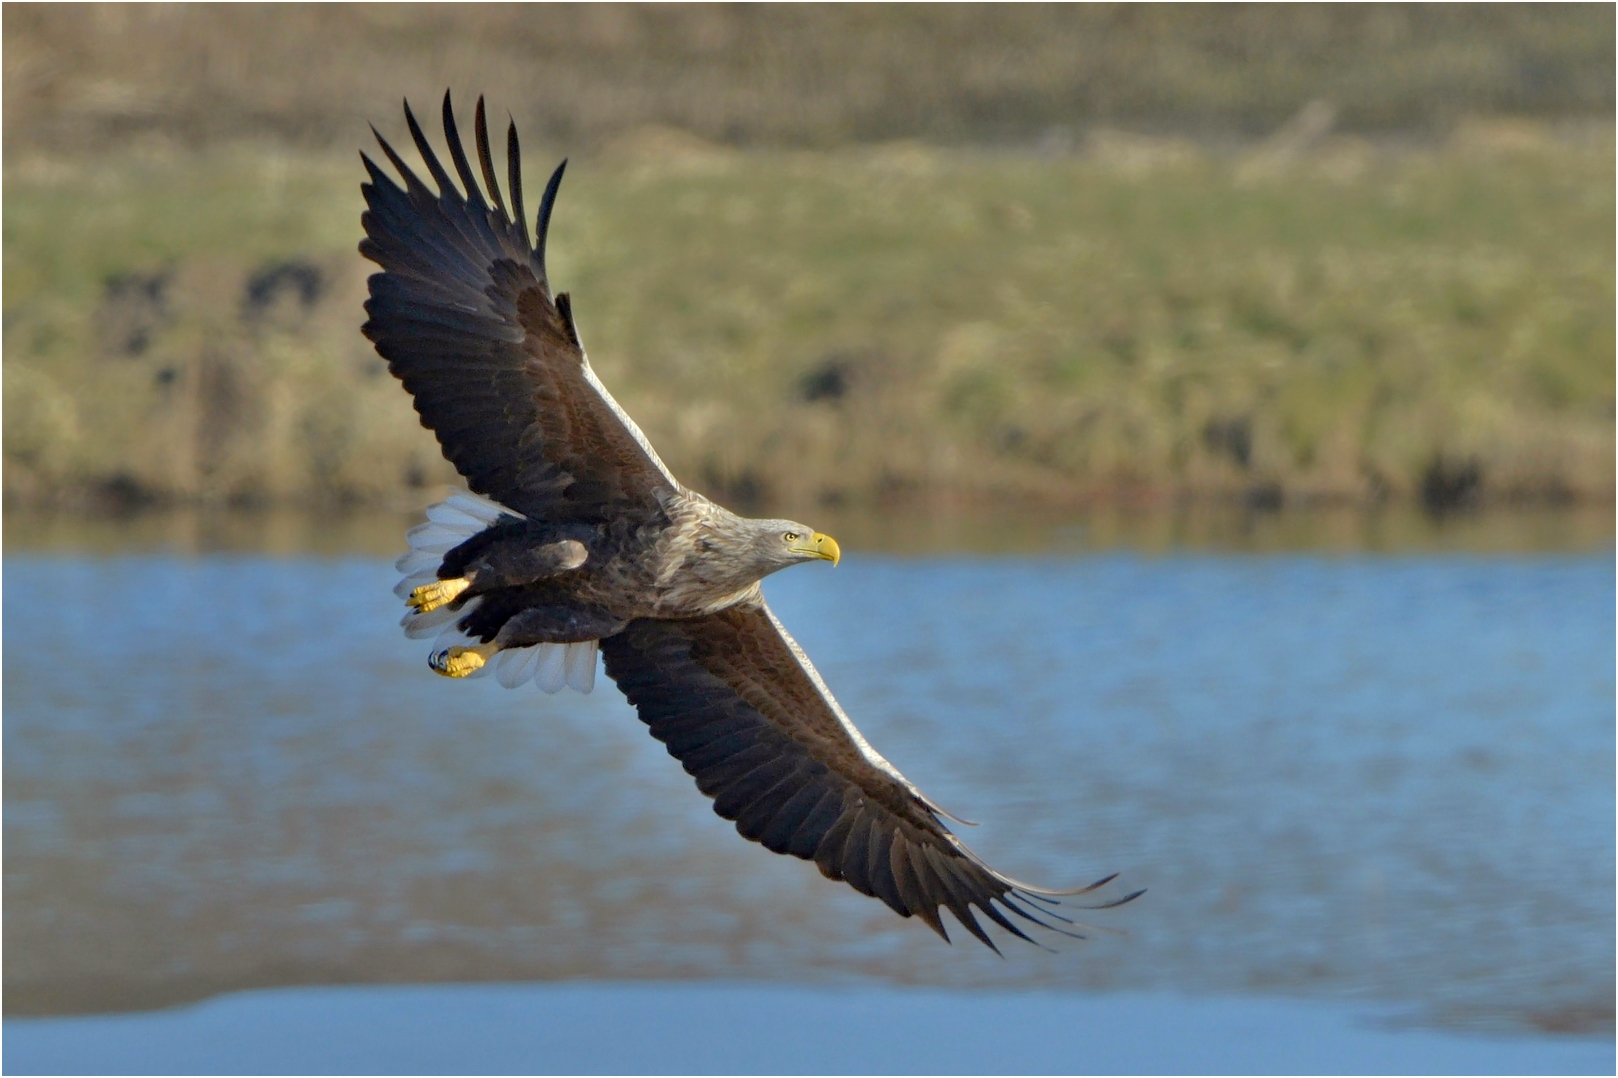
x=819, y=545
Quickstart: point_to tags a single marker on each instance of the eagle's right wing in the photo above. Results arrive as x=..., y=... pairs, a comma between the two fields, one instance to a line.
x=464, y=315
x=738, y=703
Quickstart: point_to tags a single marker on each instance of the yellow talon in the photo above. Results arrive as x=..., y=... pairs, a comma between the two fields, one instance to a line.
x=459, y=661
x=434, y=595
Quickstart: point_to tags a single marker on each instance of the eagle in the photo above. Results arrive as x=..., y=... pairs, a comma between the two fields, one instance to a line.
x=575, y=538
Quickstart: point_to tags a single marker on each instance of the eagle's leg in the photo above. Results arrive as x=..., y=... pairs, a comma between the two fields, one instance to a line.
x=459, y=661
x=558, y=625
x=432, y=596
x=504, y=565
x=536, y=625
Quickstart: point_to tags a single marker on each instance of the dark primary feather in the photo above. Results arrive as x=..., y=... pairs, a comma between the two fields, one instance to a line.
x=457, y=154
x=728, y=697
x=547, y=203
x=465, y=317
x=514, y=176
x=486, y=159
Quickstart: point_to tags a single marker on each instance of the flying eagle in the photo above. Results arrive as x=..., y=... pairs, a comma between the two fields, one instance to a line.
x=575, y=536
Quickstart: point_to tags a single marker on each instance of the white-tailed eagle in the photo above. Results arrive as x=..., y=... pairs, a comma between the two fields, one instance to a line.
x=575, y=537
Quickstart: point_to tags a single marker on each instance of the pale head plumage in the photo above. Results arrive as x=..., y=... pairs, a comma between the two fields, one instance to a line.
x=728, y=553
x=775, y=544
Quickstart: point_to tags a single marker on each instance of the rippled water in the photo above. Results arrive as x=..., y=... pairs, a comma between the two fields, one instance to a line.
x=1378, y=778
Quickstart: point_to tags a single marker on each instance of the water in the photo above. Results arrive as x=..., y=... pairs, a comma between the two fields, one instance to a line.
x=706, y=1028
x=1367, y=781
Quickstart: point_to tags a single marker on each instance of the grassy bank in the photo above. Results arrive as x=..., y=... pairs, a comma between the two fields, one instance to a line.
x=1134, y=320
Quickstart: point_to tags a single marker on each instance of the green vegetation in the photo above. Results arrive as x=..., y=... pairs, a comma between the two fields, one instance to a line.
x=1141, y=321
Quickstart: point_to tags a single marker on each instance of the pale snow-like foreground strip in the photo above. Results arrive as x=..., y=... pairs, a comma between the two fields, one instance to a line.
x=665, y=1028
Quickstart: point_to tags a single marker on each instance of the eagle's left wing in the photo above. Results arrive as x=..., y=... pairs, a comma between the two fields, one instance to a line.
x=464, y=315
x=738, y=703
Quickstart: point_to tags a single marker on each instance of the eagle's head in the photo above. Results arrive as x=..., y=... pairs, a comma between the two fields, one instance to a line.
x=772, y=545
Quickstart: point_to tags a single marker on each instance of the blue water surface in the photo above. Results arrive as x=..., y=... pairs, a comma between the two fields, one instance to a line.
x=748, y=1029
x=1381, y=782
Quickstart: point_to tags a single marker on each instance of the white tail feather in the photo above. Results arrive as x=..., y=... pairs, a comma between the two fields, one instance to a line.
x=516, y=667
x=451, y=636
x=419, y=626
x=451, y=517
x=551, y=676
x=450, y=523
x=476, y=505
x=530, y=665
x=437, y=543
x=410, y=583
x=581, y=666
x=417, y=562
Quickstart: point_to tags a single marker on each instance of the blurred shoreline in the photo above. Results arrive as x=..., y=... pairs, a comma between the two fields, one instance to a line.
x=1029, y=531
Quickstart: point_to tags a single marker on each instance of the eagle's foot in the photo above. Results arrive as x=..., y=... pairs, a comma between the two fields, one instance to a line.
x=439, y=592
x=459, y=661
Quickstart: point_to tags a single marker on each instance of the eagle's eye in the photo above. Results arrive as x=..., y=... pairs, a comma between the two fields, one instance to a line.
x=791, y=537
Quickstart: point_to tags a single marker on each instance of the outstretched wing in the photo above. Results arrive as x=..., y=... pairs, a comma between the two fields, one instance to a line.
x=464, y=315
x=737, y=702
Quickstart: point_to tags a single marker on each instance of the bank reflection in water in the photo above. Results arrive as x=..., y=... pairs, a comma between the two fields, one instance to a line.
x=1386, y=777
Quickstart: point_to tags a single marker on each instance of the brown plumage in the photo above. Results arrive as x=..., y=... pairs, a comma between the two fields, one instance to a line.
x=582, y=538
